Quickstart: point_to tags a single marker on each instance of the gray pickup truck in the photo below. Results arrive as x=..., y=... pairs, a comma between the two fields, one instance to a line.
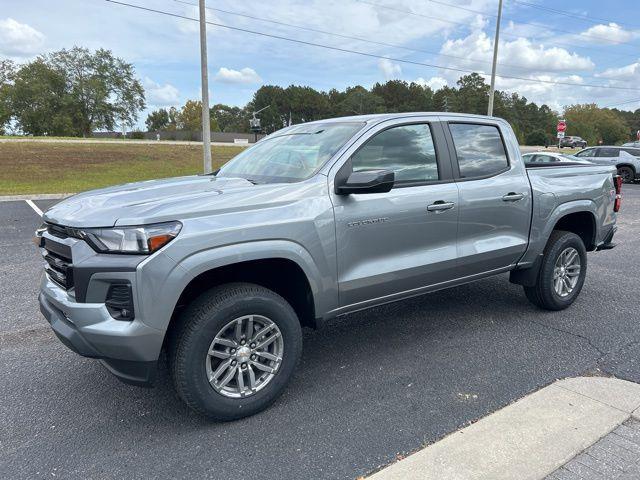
x=318, y=220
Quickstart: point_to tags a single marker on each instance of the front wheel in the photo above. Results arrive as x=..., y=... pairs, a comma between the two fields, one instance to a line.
x=562, y=273
x=235, y=350
x=627, y=174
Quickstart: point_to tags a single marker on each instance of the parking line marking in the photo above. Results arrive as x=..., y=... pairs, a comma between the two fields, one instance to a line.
x=34, y=206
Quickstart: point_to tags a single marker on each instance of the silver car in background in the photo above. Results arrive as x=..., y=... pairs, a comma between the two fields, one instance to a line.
x=552, y=157
x=625, y=159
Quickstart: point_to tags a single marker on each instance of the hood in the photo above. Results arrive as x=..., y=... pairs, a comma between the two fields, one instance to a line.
x=163, y=200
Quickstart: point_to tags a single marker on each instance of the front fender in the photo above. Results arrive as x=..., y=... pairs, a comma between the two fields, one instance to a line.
x=166, y=295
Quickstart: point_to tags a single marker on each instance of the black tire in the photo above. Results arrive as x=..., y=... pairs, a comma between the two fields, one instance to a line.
x=543, y=294
x=627, y=174
x=200, y=323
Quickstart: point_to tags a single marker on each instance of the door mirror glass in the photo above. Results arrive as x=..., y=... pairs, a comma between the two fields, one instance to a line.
x=367, y=181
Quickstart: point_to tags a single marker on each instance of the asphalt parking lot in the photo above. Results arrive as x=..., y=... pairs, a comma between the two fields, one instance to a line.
x=371, y=386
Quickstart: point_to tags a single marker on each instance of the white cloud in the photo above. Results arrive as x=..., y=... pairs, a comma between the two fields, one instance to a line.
x=161, y=95
x=246, y=75
x=434, y=83
x=612, y=32
x=626, y=72
x=389, y=69
x=19, y=39
x=518, y=57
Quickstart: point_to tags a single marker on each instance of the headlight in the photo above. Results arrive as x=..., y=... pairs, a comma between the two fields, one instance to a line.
x=144, y=239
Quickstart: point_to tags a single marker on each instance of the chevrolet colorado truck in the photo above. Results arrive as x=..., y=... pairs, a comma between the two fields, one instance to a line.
x=221, y=271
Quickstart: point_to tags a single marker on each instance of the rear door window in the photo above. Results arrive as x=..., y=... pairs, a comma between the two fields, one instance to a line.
x=479, y=149
x=608, y=152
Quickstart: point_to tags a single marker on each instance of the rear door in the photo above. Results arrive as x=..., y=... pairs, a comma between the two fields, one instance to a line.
x=495, y=197
x=392, y=243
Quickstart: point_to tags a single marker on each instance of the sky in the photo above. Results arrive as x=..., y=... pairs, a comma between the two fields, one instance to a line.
x=425, y=41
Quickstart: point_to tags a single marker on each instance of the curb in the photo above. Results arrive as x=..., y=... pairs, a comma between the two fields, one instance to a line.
x=41, y=196
x=528, y=439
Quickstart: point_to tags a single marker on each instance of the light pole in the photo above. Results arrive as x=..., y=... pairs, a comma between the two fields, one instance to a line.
x=492, y=89
x=254, y=124
x=206, y=121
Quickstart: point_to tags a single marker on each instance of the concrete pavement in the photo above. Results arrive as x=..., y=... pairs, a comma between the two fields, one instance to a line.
x=536, y=436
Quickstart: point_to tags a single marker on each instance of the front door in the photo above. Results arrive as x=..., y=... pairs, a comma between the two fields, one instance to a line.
x=391, y=243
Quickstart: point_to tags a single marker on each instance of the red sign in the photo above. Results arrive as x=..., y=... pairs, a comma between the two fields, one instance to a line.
x=562, y=126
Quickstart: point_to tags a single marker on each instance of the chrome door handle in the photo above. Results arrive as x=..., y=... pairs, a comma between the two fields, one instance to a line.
x=512, y=197
x=440, y=206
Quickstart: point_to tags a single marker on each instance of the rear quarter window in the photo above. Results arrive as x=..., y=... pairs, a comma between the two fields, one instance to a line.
x=479, y=149
x=633, y=151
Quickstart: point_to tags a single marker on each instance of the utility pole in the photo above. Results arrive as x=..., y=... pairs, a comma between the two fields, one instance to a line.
x=492, y=90
x=206, y=121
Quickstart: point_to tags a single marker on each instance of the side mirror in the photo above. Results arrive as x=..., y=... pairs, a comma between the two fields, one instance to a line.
x=367, y=181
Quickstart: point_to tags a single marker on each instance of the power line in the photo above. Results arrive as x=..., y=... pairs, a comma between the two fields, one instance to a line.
x=560, y=44
x=571, y=32
x=578, y=16
x=364, y=54
x=366, y=40
x=635, y=100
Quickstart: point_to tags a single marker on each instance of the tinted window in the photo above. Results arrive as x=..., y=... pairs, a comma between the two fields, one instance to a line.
x=608, y=152
x=479, y=149
x=407, y=150
x=632, y=151
x=589, y=152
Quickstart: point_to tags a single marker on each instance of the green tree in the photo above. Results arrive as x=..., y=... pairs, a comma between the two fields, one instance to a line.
x=157, y=120
x=103, y=88
x=39, y=100
x=359, y=101
x=230, y=119
x=594, y=124
x=7, y=72
x=190, y=117
x=395, y=94
x=472, y=95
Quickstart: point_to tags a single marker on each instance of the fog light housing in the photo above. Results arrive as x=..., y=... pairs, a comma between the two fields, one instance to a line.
x=119, y=301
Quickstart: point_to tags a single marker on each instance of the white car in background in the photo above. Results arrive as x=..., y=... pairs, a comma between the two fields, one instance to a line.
x=543, y=157
x=625, y=159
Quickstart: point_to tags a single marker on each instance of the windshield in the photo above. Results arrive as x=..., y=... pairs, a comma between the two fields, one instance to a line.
x=292, y=154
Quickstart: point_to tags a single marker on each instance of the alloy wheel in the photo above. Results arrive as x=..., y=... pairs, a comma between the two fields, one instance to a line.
x=566, y=272
x=244, y=356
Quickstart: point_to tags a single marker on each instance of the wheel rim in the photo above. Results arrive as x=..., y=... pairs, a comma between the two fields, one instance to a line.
x=626, y=175
x=244, y=356
x=566, y=272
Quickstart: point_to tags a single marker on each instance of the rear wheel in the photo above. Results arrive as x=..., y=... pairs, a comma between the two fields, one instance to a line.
x=234, y=351
x=562, y=273
x=627, y=174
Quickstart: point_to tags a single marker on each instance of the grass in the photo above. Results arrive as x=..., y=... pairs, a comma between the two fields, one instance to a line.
x=34, y=167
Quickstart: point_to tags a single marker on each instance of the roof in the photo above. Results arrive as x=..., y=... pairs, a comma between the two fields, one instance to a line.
x=379, y=117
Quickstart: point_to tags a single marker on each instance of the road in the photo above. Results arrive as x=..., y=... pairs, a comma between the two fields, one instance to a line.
x=370, y=386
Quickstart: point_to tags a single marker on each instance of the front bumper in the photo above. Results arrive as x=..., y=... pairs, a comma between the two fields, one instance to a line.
x=129, y=349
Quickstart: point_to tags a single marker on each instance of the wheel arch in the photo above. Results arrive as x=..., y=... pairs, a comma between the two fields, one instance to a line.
x=630, y=165
x=282, y=266
x=576, y=217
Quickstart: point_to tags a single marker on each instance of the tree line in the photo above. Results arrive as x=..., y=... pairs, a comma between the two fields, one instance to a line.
x=77, y=92
x=533, y=124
